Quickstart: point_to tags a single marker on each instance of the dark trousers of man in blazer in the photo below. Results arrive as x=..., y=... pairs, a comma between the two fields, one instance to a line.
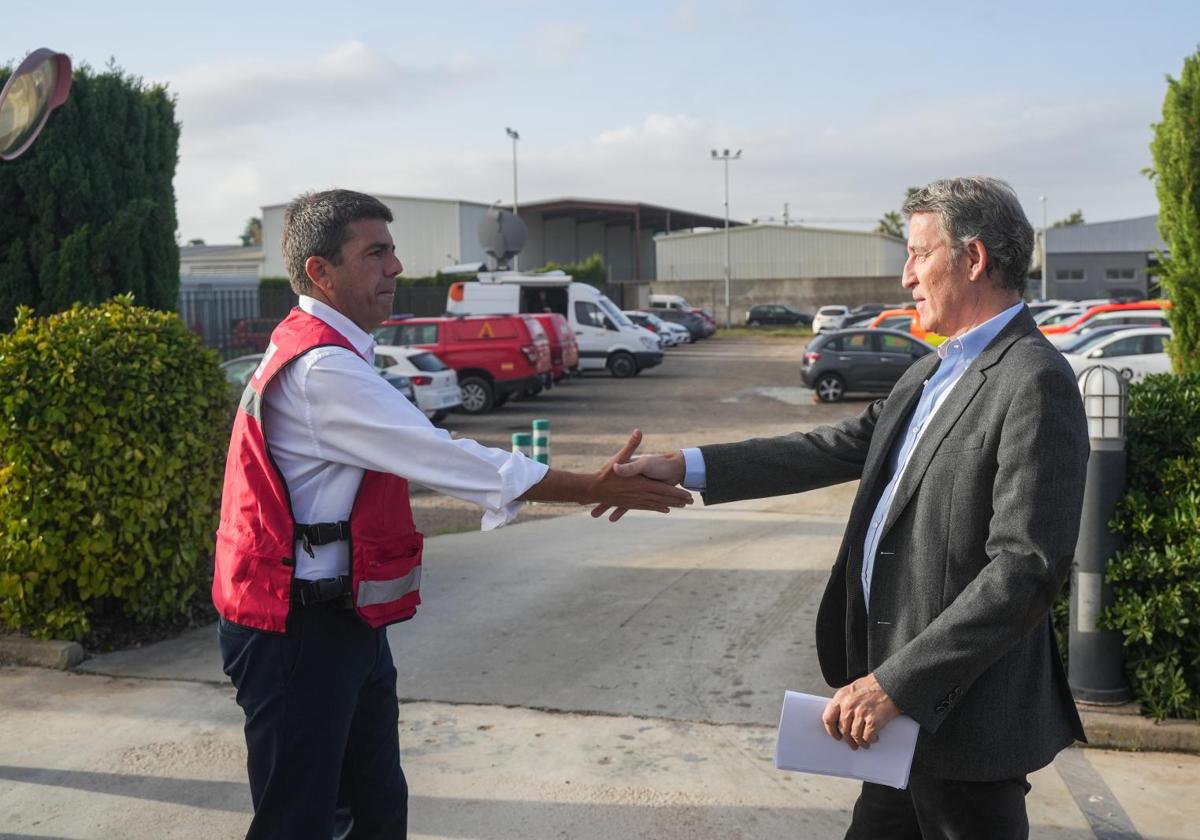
x=975, y=547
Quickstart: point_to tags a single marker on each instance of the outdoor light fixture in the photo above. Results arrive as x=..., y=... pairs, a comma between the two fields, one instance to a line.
x=39, y=85
x=726, y=157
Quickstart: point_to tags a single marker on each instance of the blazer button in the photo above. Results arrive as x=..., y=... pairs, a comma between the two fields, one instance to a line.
x=941, y=708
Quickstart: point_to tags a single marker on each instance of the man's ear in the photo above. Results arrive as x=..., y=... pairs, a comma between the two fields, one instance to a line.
x=317, y=269
x=977, y=260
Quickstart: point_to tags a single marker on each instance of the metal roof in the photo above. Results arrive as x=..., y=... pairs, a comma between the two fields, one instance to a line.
x=1136, y=235
x=650, y=216
x=220, y=252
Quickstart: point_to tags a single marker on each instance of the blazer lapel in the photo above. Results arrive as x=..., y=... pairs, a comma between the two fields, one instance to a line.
x=955, y=404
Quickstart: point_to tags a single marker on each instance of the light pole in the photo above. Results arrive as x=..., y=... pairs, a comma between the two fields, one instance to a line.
x=515, y=137
x=1045, y=254
x=725, y=157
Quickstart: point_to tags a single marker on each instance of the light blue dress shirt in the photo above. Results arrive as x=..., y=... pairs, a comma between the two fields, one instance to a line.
x=956, y=354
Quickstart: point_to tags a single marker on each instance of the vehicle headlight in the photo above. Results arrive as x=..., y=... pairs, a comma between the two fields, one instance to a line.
x=649, y=343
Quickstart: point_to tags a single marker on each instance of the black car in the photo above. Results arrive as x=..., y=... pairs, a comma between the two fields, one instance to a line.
x=776, y=313
x=860, y=360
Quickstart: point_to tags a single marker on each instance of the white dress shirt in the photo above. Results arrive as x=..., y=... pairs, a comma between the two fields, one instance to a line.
x=329, y=416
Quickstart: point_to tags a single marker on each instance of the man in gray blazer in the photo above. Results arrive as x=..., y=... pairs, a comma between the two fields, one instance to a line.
x=960, y=536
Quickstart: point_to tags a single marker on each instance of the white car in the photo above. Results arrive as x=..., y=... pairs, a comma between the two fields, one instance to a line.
x=829, y=318
x=1059, y=314
x=1135, y=353
x=434, y=385
x=1117, y=317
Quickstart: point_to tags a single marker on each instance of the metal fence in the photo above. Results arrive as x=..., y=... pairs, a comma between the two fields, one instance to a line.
x=235, y=322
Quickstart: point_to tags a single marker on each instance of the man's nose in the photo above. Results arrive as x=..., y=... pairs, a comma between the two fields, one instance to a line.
x=396, y=267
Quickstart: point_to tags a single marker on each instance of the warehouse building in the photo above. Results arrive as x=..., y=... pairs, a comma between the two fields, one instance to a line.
x=1102, y=259
x=433, y=233
x=801, y=266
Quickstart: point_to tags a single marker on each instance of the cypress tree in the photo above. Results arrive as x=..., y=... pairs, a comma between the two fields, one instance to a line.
x=89, y=211
x=1176, y=174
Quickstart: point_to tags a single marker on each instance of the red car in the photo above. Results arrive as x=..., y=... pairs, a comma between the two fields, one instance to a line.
x=564, y=350
x=495, y=356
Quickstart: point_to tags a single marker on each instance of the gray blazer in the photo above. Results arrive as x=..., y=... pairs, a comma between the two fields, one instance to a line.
x=978, y=542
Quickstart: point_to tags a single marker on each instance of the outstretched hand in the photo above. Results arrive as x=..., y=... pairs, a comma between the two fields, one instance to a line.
x=662, y=470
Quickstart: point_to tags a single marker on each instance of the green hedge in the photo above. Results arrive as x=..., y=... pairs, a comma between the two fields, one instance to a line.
x=113, y=429
x=1156, y=577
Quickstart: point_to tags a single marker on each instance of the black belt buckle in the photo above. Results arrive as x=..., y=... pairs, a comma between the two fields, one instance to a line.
x=334, y=591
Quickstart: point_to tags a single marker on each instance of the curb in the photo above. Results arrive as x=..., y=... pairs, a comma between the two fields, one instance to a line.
x=1124, y=728
x=41, y=653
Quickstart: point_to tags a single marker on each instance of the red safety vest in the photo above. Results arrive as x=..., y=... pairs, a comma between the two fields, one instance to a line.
x=257, y=535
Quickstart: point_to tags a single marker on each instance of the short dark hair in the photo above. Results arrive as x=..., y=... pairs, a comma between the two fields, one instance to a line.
x=315, y=225
x=986, y=209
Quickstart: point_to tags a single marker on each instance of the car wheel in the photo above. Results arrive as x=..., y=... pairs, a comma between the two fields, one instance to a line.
x=754, y=323
x=830, y=388
x=438, y=416
x=477, y=395
x=532, y=391
x=622, y=365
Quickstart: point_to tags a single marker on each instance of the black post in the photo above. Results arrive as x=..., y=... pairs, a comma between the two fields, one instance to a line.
x=1095, y=666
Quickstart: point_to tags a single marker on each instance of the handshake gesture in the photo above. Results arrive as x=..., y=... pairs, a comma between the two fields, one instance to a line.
x=622, y=484
x=656, y=474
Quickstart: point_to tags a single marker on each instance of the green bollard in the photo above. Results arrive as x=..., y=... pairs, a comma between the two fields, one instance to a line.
x=522, y=442
x=541, y=441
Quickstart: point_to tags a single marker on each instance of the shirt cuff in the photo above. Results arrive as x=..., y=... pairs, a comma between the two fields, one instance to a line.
x=694, y=472
x=517, y=475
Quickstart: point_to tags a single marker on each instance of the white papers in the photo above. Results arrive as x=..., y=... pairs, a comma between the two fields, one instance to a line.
x=805, y=746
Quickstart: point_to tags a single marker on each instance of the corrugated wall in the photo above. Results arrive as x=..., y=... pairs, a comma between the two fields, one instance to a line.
x=762, y=252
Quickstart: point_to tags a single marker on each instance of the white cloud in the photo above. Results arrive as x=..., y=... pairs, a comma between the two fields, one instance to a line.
x=233, y=93
x=557, y=44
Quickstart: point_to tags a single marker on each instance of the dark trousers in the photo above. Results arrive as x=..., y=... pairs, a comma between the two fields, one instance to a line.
x=941, y=809
x=321, y=726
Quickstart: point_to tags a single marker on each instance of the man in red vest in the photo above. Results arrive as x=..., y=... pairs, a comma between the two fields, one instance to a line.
x=316, y=550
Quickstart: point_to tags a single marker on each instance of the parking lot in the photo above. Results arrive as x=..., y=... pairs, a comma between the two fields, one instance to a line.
x=716, y=390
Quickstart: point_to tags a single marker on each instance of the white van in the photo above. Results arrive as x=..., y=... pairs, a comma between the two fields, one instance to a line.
x=669, y=302
x=606, y=338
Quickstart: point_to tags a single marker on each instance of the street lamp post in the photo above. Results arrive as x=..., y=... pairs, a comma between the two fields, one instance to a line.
x=515, y=137
x=725, y=157
x=1045, y=254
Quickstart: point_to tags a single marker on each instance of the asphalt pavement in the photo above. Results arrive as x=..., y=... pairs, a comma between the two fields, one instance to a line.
x=565, y=678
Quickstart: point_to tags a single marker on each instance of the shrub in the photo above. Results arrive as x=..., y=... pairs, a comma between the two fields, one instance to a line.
x=1156, y=576
x=113, y=428
x=590, y=270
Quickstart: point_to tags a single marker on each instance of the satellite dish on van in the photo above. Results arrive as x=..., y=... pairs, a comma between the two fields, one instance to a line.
x=502, y=235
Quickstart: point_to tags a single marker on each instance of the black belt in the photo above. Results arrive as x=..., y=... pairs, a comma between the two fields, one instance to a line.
x=336, y=592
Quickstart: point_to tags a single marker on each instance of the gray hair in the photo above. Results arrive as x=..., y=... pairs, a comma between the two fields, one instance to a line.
x=986, y=209
x=315, y=225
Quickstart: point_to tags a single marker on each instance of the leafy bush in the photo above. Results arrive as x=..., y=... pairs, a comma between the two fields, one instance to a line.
x=1156, y=576
x=590, y=270
x=113, y=429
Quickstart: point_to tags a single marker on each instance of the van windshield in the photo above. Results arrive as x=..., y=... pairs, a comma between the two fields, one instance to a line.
x=610, y=309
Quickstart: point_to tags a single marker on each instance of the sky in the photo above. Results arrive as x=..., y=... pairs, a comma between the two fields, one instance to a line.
x=837, y=107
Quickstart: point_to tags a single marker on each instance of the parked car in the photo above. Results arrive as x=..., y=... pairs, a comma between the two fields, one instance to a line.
x=647, y=321
x=829, y=318
x=695, y=325
x=906, y=320
x=435, y=386
x=253, y=334
x=1059, y=314
x=777, y=313
x=606, y=338
x=564, y=349
x=239, y=370
x=669, y=302
x=862, y=359
x=1135, y=353
x=1108, y=316
x=1154, y=307
x=495, y=356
